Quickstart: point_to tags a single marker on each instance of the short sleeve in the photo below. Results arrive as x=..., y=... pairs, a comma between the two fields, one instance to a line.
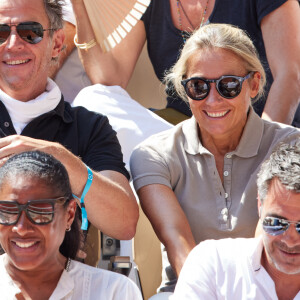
x=148, y=166
x=100, y=148
x=264, y=7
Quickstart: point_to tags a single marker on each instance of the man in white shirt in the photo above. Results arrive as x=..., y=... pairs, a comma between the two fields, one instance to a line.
x=267, y=267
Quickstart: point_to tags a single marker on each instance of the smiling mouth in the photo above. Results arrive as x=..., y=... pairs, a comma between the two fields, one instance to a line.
x=25, y=245
x=17, y=62
x=217, y=114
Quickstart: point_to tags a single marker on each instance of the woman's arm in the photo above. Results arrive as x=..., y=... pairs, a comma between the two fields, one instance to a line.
x=169, y=222
x=116, y=66
x=281, y=34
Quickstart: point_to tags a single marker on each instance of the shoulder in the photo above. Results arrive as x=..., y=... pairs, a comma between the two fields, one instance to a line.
x=88, y=121
x=278, y=132
x=164, y=141
x=223, y=252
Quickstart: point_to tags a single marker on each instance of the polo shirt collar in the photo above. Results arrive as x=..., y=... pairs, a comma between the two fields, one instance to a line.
x=62, y=111
x=247, y=147
x=251, y=137
x=192, y=143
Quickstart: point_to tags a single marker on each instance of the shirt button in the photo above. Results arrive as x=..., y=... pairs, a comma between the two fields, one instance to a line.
x=228, y=155
x=226, y=173
x=226, y=195
x=6, y=124
x=224, y=211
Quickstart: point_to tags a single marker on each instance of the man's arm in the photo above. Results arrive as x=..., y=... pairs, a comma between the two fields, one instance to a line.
x=110, y=203
x=69, y=30
x=169, y=222
x=281, y=34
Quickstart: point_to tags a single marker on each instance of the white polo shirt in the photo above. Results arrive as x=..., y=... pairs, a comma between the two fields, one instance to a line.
x=226, y=269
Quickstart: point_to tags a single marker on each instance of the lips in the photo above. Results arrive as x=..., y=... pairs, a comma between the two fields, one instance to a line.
x=217, y=114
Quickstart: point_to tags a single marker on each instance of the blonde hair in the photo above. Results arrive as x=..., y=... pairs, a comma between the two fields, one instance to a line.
x=212, y=36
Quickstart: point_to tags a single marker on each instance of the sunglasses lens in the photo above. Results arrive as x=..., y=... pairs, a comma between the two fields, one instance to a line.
x=197, y=89
x=41, y=213
x=30, y=32
x=229, y=87
x=274, y=226
x=4, y=33
x=9, y=213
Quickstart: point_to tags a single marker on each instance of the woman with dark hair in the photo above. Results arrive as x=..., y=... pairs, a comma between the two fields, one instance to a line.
x=39, y=231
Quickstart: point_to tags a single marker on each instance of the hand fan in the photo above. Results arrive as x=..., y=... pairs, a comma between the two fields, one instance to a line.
x=113, y=19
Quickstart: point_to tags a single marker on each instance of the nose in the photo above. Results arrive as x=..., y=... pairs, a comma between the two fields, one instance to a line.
x=23, y=226
x=291, y=237
x=14, y=41
x=213, y=97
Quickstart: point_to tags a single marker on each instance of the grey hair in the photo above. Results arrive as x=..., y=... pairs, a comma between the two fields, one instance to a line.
x=55, y=14
x=283, y=164
x=216, y=36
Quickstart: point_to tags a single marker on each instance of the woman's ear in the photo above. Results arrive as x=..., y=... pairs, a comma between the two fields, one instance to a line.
x=71, y=211
x=254, y=84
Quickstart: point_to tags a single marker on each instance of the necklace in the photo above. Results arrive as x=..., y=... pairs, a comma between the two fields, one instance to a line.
x=179, y=5
x=68, y=262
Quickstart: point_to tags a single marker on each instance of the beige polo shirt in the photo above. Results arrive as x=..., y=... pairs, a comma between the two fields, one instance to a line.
x=176, y=158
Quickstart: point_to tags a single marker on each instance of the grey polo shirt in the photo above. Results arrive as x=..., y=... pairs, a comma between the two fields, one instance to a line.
x=176, y=158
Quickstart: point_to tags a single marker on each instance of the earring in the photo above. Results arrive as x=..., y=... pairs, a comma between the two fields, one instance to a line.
x=68, y=229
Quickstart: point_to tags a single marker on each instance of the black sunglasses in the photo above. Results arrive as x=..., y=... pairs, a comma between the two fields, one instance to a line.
x=30, y=32
x=276, y=226
x=228, y=86
x=39, y=212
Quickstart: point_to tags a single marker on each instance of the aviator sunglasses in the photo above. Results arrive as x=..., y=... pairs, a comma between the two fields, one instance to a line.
x=39, y=212
x=276, y=226
x=228, y=86
x=30, y=32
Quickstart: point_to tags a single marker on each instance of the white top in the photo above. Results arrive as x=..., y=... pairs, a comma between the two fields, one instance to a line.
x=21, y=113
x=82, y=282
x=226, y=269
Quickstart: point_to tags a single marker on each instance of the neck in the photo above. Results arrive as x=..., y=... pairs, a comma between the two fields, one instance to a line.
x=220, y=145
x=24, y=95
x=42, y=280
x=282, y=280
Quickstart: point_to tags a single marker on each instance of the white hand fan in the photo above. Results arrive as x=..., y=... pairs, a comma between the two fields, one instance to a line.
x=113, y=19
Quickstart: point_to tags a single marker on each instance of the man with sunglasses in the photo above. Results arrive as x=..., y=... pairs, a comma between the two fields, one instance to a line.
x=267, y=267
x=34, y=116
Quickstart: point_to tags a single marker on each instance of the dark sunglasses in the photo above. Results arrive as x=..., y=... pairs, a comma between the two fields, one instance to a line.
x=30, y=32
x=39, y=212
x=276, y=226
x=228, y=86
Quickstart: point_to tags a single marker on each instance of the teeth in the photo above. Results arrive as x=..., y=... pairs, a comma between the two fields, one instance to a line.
x=25, y=245
x=217, y=115
x=17, y=62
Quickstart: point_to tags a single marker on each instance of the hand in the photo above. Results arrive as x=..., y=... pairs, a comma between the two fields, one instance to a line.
x=14, y=144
